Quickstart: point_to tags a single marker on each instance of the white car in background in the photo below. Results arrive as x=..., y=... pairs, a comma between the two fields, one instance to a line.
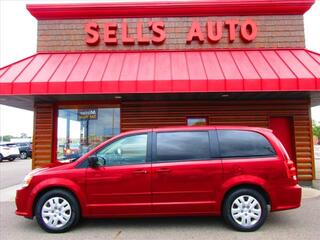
x=9, y=152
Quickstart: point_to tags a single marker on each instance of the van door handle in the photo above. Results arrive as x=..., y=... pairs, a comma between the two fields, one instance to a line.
x=141, y=171
x=163, y=170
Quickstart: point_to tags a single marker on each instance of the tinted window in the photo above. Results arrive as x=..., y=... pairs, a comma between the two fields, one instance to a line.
x=235, y=143
x=177, y=146
x=127, y=150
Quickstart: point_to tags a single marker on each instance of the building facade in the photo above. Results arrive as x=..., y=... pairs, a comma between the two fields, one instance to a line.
x=102, y=69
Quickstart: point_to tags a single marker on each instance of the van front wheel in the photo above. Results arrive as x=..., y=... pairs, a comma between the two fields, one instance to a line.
x=57, y=211
x=245, y=210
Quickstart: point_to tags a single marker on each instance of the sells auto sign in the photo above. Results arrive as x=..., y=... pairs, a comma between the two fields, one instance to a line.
x=247, y=30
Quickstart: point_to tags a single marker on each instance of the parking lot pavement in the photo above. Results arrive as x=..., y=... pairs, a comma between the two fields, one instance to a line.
x=12, y=173
x=302, y=223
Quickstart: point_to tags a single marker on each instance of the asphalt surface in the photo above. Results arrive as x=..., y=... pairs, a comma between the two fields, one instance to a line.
x=301, y=223
x=12, y=173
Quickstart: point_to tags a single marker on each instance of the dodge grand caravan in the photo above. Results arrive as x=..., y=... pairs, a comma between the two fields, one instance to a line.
x=241, y=173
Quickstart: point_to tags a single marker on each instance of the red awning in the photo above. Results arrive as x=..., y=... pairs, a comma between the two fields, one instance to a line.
x=163, y=72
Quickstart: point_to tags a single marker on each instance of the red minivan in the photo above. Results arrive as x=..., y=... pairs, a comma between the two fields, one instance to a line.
x=241, y=173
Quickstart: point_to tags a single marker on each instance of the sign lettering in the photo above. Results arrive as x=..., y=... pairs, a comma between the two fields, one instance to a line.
x=87, y=114
x=154, y=32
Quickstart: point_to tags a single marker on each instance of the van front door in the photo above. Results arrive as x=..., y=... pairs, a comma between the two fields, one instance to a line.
x=121, y=185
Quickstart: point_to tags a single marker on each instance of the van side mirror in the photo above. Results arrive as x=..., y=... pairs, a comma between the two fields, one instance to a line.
x=93, y=161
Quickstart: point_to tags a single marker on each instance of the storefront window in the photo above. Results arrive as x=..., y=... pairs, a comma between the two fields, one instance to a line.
x=197, y=121
x=80, y=130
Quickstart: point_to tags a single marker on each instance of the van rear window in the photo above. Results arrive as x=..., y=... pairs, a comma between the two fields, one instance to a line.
x=238, y=143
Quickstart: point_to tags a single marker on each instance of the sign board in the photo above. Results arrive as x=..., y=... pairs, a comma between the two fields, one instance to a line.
x=87, y=114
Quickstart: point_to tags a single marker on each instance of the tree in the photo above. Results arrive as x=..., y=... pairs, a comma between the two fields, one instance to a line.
x=316, y=129
x=6, y=138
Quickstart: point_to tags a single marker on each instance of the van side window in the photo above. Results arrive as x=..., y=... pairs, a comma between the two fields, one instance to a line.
x=237, y=143
x=126, y=151
x=179, y=146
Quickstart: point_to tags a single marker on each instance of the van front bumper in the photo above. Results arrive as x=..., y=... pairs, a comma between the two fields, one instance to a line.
x=23, y=207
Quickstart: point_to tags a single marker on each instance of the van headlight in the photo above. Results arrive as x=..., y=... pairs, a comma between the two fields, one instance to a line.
x=27, y=179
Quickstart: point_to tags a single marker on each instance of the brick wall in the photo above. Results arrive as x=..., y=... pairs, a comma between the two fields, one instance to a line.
x=279, y=31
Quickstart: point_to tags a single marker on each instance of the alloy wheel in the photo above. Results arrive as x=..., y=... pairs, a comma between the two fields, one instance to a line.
x=56, y=212
x=246, y=210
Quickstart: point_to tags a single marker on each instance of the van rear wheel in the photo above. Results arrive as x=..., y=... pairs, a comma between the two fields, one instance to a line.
x=57, y=211
x=245, y=210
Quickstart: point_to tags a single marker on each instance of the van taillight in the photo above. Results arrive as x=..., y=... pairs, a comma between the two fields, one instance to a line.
x=291, y=169
x=292, y=173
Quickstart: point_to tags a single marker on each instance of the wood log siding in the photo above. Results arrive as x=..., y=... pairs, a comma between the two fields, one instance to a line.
x=138, y=115
x=42, y=146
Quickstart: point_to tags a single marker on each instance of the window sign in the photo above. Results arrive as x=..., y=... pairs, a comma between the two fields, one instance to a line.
x=87, y=114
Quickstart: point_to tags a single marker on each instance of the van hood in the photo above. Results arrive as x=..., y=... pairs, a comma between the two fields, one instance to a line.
x=51, y=167
x=59, y=163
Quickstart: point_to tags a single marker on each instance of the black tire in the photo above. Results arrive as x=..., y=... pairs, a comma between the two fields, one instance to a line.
x=23, y=155
x=1, y=157
x=75, y=210
x=230, y=203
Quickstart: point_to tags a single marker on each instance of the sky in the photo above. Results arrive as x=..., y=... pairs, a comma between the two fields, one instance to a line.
x=18, y=39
